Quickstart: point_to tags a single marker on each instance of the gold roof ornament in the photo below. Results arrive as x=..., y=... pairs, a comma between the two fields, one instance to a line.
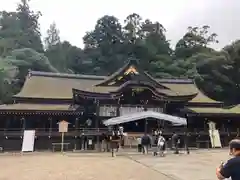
x=131, y=70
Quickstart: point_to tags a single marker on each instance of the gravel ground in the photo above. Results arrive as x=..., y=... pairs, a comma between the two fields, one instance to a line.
x=73, y=166
x=199, y=165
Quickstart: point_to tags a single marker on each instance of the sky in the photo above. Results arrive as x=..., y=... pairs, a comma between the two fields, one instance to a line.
x=75, y=17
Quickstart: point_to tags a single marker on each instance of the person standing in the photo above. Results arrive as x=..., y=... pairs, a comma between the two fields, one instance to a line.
x=161, y=145
x=139, y=144
x=186, y=142
x=231, y=169
x=155, y=144
x=145, y=142
x=115, y=140
x=175, y=142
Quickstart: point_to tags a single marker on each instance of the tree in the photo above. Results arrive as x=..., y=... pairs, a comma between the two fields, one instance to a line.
x=157, y=48
x=53, y=37
x=106, y=40
x=28, y=59
x=19, y=29
x=196, y=40
x=219, y=72
x=7, y=74
x=30, y=36
x=66, y=58
x=9, y=32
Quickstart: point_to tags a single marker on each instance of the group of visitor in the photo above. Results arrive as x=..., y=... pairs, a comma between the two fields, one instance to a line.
x=158, y=143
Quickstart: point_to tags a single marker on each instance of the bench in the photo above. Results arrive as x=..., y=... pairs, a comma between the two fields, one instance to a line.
x=54, y=145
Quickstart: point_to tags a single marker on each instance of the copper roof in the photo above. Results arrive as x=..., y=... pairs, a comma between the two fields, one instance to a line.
x=215, y=110
x=59, y=86
x=43, y=107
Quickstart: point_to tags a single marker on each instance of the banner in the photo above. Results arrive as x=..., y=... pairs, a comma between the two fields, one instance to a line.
x=28, y=141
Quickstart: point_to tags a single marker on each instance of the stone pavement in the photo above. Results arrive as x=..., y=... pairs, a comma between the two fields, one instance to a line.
x=199, y=165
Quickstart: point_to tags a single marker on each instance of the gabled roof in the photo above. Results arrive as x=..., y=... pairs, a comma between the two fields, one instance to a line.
x=187, y=86
x=27, y=108
x=59, y=86
x=132, y=63
x=215, y=110
x=55, y=85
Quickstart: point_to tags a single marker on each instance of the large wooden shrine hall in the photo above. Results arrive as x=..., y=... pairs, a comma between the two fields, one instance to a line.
x=86, y=100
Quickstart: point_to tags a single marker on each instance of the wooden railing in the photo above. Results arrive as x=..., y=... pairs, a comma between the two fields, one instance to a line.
x=54, y=131
x=99, y=131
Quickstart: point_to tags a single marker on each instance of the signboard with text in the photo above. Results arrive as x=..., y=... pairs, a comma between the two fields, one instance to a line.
x=63, y=126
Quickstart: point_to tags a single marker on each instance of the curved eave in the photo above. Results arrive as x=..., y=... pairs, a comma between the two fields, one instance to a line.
x=155, y=81
x=184, y=98
x=114, y=75
x=134, y=84
x=91, y=95
x=156, y=94
x=38, y=112
x=122, y=69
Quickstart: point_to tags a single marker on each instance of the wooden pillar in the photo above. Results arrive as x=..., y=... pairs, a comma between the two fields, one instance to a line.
x=50, y=133
x=75, y=136
x=23, y=122
x=97, y=123
x=146, y=120
x=76, y=124
x=7, y=123
x=50, y=126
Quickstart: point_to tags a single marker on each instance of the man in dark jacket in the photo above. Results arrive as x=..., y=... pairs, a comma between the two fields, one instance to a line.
x=175, y=142
x=146, y=142
x=231, y=169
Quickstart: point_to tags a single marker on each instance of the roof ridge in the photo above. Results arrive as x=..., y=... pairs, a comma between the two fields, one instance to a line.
x=65, y=75
x=176, y=81
x=95, y=77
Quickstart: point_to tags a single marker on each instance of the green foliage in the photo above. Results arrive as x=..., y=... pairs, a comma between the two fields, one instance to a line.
x=196, y=40
x=28, y=59
x=53, y=37
x=219, y=72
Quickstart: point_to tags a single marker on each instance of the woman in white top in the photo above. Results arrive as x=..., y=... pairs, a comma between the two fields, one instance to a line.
x=161, y=145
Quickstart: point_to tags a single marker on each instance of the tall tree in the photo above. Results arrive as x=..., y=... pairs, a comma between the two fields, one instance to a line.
x=106, y=39
x=28, y=59
x=219, y=72
x=196, y=40
x=53, y=37
x=30, y=36
x=66, y=58
x=9, y=32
